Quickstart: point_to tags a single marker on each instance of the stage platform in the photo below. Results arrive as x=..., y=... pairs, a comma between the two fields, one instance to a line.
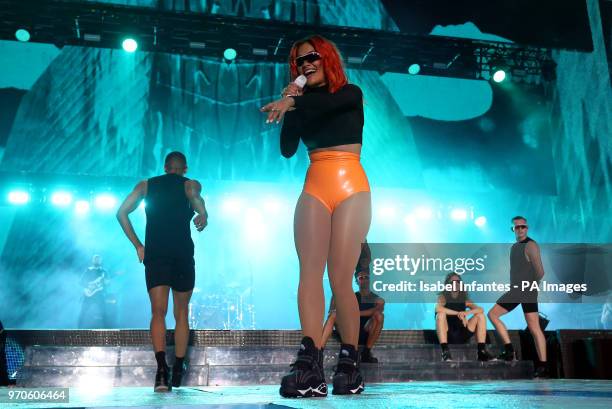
x=499, y=394
x=227, y=358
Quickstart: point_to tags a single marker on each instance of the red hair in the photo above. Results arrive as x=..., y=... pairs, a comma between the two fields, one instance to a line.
x=330, y=60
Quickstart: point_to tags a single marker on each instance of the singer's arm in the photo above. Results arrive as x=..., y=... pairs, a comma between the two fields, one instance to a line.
x=289, y=137
x=349, y=96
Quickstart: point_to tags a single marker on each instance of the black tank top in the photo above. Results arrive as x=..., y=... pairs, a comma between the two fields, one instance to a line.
x=520, y=268
x=169, y=214
x=368, y=302
x=456, y=306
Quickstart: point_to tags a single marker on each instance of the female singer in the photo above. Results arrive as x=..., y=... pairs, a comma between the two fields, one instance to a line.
x=333, y=213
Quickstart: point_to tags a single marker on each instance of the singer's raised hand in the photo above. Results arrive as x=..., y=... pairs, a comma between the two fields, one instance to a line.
x=277, y=109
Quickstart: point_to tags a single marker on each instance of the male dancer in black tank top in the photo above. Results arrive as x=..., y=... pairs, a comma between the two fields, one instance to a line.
x=171, y=200
x=525, y=265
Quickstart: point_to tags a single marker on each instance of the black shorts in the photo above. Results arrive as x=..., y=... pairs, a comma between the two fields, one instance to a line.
x=363, y=334
x=509, y=300
x=457, y=333
x=175, y=272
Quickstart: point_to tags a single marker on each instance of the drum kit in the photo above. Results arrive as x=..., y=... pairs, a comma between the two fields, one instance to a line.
x=228, y=310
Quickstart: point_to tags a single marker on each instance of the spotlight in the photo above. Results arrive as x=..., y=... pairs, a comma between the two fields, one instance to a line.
x=480, y=221
x=81, y=206
x=229, y=54
x=499, y=75
x=458, y=215
x=18, y=197
x=105, y=201
x=414, y=69
x=61, y=199
x=130, y=45
x=22, y=35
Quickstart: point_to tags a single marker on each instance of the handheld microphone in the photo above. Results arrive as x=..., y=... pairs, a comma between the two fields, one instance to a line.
x=300, y=81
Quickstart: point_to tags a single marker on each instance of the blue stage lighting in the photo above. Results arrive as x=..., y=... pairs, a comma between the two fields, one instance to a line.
x=105, y=201
x=480, y=221
x=22, y=35
x=499, y=75
x=459, y=215
x=18, y=197
x=230, y=54
x=414, y=69
x=61, y=199
x=130, y=45
x=81, y=207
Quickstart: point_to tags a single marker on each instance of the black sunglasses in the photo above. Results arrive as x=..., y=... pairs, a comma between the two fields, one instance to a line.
x=518, y=227
x=310, y=57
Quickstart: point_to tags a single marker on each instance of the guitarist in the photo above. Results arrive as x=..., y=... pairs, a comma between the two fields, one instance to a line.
x=93, y=281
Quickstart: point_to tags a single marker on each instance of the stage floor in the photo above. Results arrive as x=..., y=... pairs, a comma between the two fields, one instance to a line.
x=504, y=394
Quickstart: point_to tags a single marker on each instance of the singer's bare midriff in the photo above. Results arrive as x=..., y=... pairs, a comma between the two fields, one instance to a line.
x=352, y=147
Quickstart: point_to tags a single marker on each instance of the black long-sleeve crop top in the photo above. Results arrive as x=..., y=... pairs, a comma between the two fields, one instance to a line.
x=322, y=119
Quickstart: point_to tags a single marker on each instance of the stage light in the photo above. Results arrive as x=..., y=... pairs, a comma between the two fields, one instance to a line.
x=61, y=199
x=142, y=205
x=22, y=35
x=458, y=215
x=480, y=221
x=18, y=197
x=499, y=75
x=414, y=69
x=230, y=54
x=130, y=45
x=105, y=201
x=81, y=206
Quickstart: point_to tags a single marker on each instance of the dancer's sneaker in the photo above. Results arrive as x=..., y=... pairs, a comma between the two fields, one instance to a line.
x=367, y=357
x=484, y=356
x=507, y=356
x=306, y=378
x=446, y=356
x=347, y=378
x=177, y=374
x=162, y=383
x=541, y=372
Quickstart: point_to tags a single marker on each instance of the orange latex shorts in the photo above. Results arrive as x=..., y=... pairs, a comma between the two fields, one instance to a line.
x=333, y=176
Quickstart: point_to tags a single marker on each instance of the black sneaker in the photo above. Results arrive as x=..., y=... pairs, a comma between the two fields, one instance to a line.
x=162, y=383
x=541, y=372
x=507, y=356
x=367, y=358
x=177, y=374
x=347, y=378
x=484, y=356
x=446, y=356
x=306, y=378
